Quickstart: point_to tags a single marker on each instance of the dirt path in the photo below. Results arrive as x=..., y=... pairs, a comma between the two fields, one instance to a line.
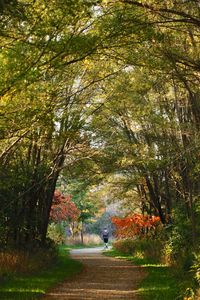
x=102, y=278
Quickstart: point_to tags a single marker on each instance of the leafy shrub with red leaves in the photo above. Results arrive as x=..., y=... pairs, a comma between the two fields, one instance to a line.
x=136, y=225
x=63, y=208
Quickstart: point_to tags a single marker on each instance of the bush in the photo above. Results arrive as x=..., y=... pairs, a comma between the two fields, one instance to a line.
x=126, y=246
x=196, y=273
x=196, y=267
x=24, y=262
x=177, y=247
x=88, y=239
x=140, y=247
x=56, y=232
x=181, y=260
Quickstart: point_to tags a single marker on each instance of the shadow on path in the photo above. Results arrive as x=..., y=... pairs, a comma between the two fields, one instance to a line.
x=102, y=278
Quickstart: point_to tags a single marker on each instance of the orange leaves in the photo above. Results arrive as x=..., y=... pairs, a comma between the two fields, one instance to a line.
x=63, y=208
x=136, y=224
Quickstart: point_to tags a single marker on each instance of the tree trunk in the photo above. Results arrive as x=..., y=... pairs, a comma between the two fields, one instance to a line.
x=82, y=241
x=155, y=200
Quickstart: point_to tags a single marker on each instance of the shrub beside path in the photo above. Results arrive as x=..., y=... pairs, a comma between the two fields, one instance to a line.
x=101, y=278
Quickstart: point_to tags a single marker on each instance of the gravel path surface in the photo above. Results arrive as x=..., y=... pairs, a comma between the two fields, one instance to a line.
x=102, y=278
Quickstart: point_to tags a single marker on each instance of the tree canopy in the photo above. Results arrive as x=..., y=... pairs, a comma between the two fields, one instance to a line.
x=107, y=93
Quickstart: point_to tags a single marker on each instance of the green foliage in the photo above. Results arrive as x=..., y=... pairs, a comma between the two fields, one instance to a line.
x=57, y=232
x=86, y=206
x=37, y=123
x=61, y=108
x=142, y=248
x=178, y=241
x=127, y=246
x=196, y=267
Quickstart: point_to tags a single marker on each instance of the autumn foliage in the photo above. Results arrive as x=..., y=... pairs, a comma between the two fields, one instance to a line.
x=135, y=225
x=63, y=208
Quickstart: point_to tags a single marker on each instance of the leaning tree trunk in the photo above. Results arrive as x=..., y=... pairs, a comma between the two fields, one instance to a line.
x=155, y=200
x=82, y=233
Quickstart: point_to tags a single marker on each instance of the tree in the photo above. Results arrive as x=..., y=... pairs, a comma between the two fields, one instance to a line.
x=42, y=108
x=159, y=49
x=63, y=209
x=86, y=206
x=111, y=88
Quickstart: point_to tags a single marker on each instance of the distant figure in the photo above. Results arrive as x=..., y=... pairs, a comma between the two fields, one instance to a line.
x=105, y=236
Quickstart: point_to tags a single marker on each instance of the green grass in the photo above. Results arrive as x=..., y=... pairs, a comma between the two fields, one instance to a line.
x=23, y=287
x=160, y=282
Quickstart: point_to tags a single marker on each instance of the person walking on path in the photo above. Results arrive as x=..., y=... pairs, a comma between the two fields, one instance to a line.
x=105, y=237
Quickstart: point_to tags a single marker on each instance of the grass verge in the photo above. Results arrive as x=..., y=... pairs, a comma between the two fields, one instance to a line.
x=30, y=287
x=160, y=282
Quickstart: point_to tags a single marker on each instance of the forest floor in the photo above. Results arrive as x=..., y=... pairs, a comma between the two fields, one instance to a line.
x=101, y=278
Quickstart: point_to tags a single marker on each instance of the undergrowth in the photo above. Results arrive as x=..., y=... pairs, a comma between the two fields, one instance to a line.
x=23, y=286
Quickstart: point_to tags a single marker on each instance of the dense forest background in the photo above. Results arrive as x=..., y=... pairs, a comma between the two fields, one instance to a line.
x=107, y=94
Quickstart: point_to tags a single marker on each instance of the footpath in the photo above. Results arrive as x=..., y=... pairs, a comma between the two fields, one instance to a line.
x=101, y=278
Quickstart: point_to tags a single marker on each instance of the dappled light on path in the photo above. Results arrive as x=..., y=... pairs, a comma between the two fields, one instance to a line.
x=102, y=278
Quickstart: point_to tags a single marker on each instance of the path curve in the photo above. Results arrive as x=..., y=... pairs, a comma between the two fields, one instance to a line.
x=102, y=278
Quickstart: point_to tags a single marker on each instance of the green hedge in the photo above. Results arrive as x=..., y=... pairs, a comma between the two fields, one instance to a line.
x=142, y=248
